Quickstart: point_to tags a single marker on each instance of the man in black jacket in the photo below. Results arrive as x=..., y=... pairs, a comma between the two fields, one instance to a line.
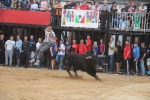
x=26, y=50
x=2, y=50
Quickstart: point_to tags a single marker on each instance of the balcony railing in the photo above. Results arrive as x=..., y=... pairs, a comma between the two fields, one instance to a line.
x=130, y=21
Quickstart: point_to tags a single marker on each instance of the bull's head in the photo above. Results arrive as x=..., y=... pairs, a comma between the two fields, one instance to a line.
x=89, y=57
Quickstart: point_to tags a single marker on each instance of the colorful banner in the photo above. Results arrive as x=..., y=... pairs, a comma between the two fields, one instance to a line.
x=80, y=18
x=25, y=17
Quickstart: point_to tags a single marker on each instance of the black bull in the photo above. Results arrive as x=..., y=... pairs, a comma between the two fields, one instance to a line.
x=86, y=62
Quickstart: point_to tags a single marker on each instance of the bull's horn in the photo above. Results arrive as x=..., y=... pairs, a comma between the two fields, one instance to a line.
x=89, y=57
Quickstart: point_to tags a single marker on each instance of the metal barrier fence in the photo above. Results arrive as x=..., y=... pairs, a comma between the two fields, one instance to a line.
x=130, y=21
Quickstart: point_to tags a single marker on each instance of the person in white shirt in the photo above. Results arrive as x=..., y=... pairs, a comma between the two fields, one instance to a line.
x=9, y=49
x=111, y=54
x=61, y=54
x=34, y=5
x=38, y=43
x=49, y=37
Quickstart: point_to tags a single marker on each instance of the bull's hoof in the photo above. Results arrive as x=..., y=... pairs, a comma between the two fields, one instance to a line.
x=99, y=80
x=79, y=76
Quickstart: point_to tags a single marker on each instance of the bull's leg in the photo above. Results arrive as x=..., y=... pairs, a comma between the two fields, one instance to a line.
x=75, y=71
x=68, y=70
x=94, y=75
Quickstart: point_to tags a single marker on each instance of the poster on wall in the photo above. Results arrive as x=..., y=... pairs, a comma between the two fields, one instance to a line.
x=80, y=18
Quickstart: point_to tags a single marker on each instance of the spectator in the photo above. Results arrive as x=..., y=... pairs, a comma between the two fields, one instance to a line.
x=6, y=3
x=37, y=46
x=132, y=7
x=58, y=8
x=34, y=5
x=114, y=15
x=66, y=5
x=119, y=52
x=111, y=54
x=148, y=59
x=143, y=10
x=67, y=48
x=51, y=2
x=72, y=4
x=9, y=47
x=105, y=6
x=53, y=50
x=18, y=50
x=82, y=47
x=19, y=6
x=2, y=50
x=89, y=44
x=136, y=55
x=26, y=3
x=122, y=19
x=26, y=51
x=32, y=48
x=49, y=8
x=101, y=52
x=142, y=58
x=92, y=4
x=77, y=6
x=136, y=19
x=49, y=36
x=38, y=43
x=43, y=5
x=127, y=7
x=127, y=57
x=61, y=54
x=130, y=19
x=14, y=6
x=95, y=48
x=95, y=7
x=84, y=6
x=74, y=47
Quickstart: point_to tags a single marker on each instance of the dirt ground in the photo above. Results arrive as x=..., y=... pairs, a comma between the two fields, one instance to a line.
x=37, y=84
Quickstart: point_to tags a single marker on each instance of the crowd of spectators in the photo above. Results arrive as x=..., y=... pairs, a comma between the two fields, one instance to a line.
x=130, y=59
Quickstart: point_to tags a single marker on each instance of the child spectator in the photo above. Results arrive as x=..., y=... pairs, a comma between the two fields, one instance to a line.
x=142, y=58
x=61, y=54
x=136, y=19
x=72, y=4
x=122, y=19
x=19, y=6
x=74, y=47
x=101, y=52
x=66, y=5
x=132, y=7
x=136, y=55
x=34, y=5
x=127, y=57
x=82, y=47
x=9, y=49
x=49, y=8
x=67, y=47
x=53, y=51
x=84, y=6
x=43, y=5
x=130, y=19
x=77, y=6
x=95, y=48
x=127, y=7
x=148, y=59
x=118, y=51
x=143, y=10
x=92, y=4
x=14, y=6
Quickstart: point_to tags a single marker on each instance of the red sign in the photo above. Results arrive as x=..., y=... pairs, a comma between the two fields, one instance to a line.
x=25, y=17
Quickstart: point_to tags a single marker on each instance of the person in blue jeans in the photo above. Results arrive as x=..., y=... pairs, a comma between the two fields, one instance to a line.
x=61, y=54
x=111, y=54
x=136, y=55
x=142, y=58
x=9, y=49
x=18, y=48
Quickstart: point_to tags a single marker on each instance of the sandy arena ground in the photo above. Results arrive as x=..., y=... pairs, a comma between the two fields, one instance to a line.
x=37, y=84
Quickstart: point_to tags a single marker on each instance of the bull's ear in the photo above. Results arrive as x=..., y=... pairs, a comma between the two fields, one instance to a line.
x=89, y=57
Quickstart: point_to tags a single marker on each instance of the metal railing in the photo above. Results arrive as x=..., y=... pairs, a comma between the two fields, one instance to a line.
x=130, y=21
